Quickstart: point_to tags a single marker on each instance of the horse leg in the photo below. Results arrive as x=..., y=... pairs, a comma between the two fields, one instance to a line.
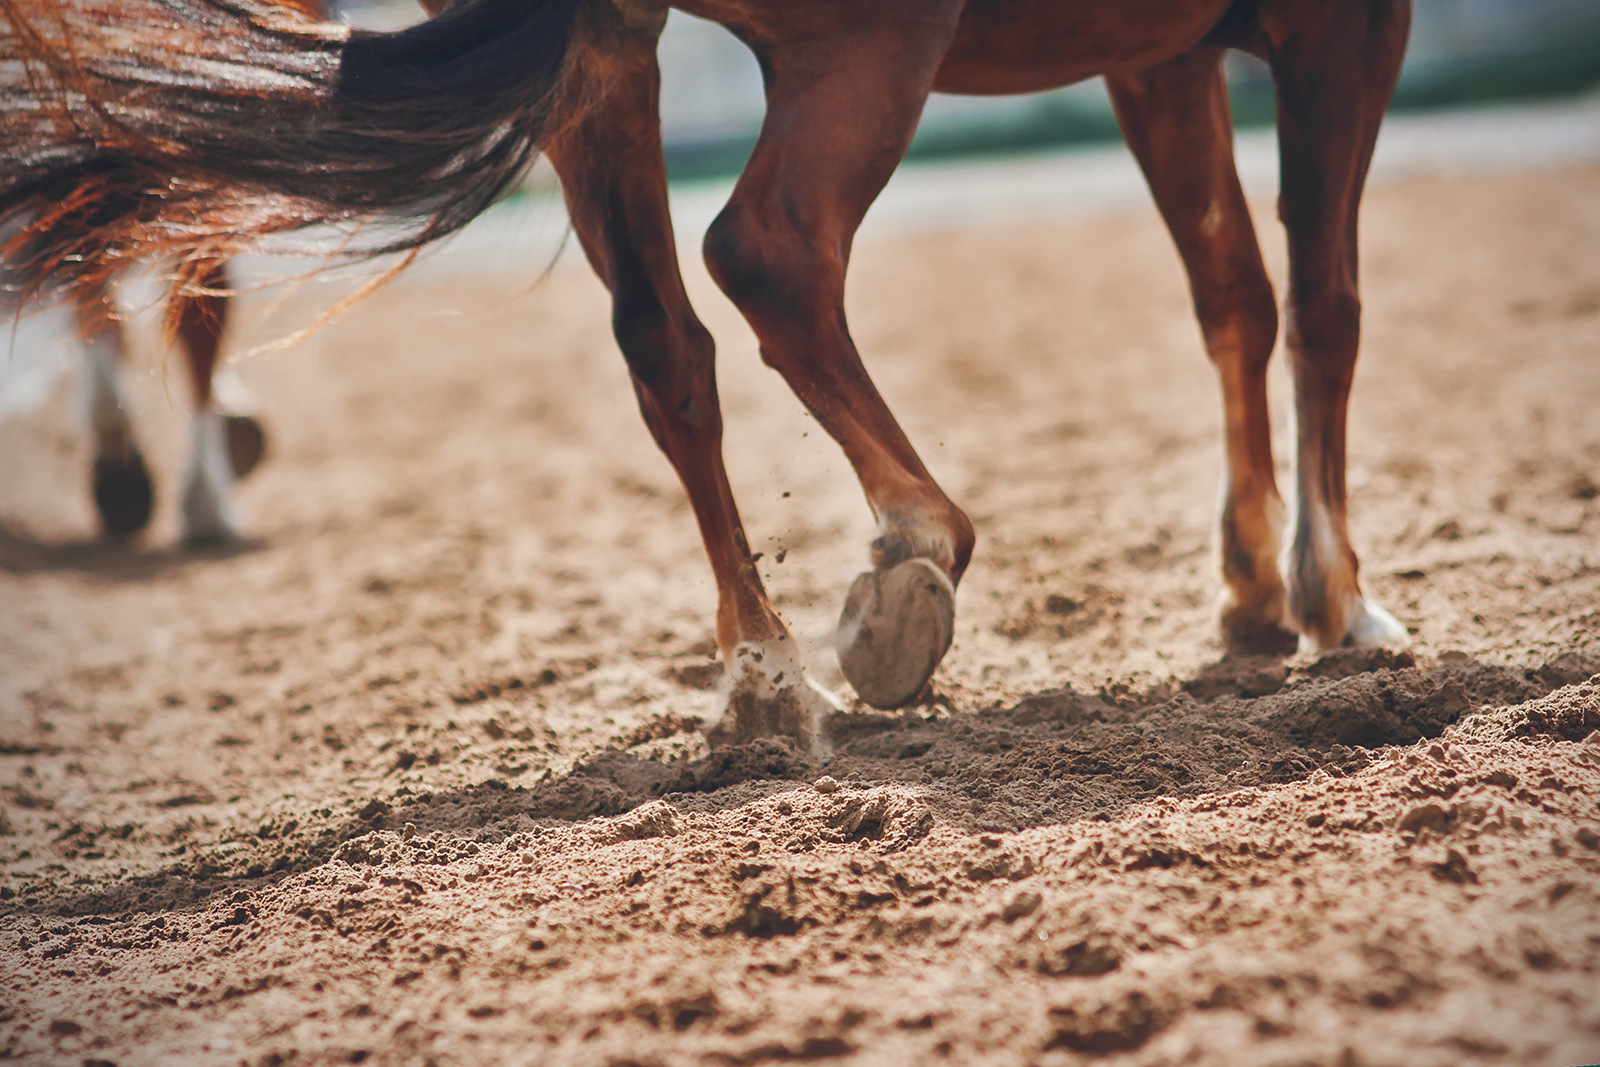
x=1176, y=121
x=201, y=321
x=123, y=493
x=840, y=112
x=209, y=515
x=1334, y=79
x=614, y=177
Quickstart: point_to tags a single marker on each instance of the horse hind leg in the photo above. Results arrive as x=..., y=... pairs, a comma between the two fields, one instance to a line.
x=123, y=492
x=1176, y=121
x=218, y=450
x=780, y=250
x=1333, y=83
x=614, y=177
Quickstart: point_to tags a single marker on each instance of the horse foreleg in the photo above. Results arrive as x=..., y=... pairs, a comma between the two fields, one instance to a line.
x=1176, y=121
x=1334, y=80
x=209, y=513
x=122, y=489
x=614, y=177
x=840, y=113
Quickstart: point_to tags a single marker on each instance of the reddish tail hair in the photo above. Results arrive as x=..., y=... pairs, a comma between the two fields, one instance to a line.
x=132, y=129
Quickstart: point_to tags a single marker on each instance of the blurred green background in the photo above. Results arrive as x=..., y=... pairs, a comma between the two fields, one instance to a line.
x=1462, y=53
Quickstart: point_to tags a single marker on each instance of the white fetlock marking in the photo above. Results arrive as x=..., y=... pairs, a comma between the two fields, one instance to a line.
x=209, y=513
x=1372, y=627
x=1366, y=624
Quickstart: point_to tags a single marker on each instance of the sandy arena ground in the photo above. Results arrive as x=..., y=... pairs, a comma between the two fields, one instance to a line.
x=411, y=777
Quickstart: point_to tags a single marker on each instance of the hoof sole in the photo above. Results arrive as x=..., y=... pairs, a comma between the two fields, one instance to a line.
x=247, y=443
x=896, y=627
x=123, y=493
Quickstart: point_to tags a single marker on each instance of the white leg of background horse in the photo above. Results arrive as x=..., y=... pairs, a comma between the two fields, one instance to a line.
x=209, y=513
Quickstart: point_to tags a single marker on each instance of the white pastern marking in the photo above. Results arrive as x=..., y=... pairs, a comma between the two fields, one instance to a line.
x=208, y=508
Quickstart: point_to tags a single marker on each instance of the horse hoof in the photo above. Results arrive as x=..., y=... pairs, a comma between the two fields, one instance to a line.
x=896, y=627
x=247, y=443
x=123, y=493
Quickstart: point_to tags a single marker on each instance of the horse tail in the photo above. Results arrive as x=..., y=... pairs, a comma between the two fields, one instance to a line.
x=184, y=129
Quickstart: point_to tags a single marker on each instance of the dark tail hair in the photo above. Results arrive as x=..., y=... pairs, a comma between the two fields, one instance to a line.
x=132, y=129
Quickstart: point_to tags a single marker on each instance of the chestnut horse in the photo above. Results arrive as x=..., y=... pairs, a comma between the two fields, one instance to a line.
x=151, y=148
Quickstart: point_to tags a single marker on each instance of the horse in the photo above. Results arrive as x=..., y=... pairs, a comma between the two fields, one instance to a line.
x=226, y=441
x=145, y=146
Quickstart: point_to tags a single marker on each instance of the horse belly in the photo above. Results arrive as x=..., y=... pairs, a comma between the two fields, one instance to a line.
x=1023, y=46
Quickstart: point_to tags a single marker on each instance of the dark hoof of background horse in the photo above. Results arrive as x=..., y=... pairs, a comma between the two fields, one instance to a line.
x=896, y=627
x=247, y=443
x=123, y=493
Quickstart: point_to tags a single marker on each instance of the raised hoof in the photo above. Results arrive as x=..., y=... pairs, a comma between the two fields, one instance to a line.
x=770, y=695
x=896, y=627
x=123, y=493
x=247, y=443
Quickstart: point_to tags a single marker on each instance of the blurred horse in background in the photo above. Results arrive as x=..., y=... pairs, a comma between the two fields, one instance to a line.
x=227, y=441
x=184, y=127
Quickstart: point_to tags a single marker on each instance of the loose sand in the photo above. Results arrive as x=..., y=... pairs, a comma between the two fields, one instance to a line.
x=412, y=778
